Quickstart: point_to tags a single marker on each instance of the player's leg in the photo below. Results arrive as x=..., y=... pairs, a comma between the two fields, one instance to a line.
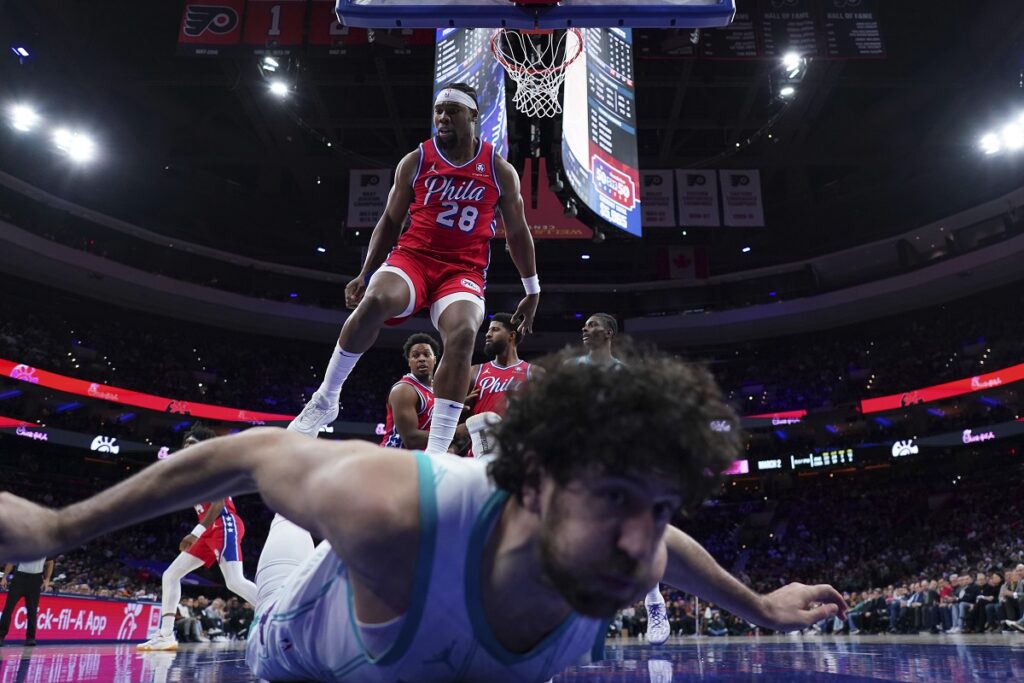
x=236, y=582
x=658, y=627
x=230, y=561
x=391, y=293
x=457, y=317
x=171, y=585
x=288, y=545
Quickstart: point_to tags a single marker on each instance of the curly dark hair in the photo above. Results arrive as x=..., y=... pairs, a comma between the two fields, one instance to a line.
x=421, y=338
x=199, y=432
x=654, y=414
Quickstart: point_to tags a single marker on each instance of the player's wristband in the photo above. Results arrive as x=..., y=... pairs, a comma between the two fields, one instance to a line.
x=198, y=531
x=531, y=285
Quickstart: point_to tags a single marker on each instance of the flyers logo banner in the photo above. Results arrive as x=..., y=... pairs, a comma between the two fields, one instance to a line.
x=207, y=28
x=214, y=18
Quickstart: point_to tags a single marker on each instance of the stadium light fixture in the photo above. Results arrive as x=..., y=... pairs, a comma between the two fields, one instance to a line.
x=78, y=146
x=23, y=118
x=745, y=250
x=990, y=143
x=270, y=64
x=322, y=250
x=1013, y=137
x=787, y=92
x=279, y=88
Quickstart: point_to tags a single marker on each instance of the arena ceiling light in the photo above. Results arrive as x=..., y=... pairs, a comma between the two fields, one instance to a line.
x=23, y=118
x=279, y=88
x=793, y=63
x=787, y=92
x=1007, y=138
x=270, y=64
x=78, y=146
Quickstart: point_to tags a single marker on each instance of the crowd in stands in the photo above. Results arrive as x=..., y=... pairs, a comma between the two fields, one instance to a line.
x=920, y=549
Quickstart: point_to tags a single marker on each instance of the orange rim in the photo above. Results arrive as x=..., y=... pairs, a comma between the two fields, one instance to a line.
x=519, y=68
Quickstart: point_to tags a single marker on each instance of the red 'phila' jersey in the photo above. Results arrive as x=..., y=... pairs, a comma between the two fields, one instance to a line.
x=494, y=381
x=453, y=207
x=229, y=509
x=423, y=411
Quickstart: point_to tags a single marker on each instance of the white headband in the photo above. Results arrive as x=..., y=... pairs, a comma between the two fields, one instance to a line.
x=456, y=96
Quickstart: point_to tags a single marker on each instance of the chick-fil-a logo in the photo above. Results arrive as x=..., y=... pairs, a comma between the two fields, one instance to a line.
x=985, y=383
x=977, y=438
x=32, y=434
x=96, y=391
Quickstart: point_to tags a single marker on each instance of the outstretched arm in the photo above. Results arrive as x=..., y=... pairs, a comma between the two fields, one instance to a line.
x=306, y=480
x=691, y=569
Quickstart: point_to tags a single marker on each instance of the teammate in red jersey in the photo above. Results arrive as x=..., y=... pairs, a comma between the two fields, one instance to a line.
x=411, y=399
x=492, y=381
x=216, y=539
x=452, y=186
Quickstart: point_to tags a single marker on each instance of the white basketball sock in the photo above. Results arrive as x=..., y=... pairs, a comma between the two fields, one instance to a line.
x=443, y=422
x=338, y=370
x=654, y=597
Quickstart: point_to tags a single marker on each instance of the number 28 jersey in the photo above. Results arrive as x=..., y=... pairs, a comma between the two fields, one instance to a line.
x=453, y=207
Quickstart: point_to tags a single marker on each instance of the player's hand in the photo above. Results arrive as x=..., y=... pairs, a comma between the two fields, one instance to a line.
x=525, y=312
x=27, y=531
x=471, y=398
x=46, y=586
x=354, y=291
x=187, y=543
x=797, y=606
x=3, y=583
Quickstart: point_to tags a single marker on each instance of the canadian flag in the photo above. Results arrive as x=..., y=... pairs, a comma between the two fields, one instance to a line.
x=683, y=263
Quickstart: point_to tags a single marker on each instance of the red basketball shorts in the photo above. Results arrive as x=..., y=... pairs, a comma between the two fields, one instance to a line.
x=433, y=283
x=221, y=542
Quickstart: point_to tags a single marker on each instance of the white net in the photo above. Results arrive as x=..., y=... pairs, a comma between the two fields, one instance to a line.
x=537, y=62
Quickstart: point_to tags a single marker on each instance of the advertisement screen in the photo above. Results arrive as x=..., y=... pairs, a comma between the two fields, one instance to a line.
x=65, y=617
x=52, y=380
x=599, y=151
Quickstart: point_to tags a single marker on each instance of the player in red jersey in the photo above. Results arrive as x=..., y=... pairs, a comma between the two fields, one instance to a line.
x=411, y=399
x=492, y=381
x=217, y=538
x=451, y=186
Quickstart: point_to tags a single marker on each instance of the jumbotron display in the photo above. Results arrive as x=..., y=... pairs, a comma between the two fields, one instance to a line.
x=599, y=151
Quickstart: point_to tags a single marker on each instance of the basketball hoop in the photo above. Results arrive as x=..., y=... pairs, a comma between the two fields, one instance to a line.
x=537, y=61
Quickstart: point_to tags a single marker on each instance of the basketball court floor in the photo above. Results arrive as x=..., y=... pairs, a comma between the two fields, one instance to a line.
x=788, y=659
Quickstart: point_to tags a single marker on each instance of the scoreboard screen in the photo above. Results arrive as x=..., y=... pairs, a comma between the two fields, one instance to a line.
x=599, y=151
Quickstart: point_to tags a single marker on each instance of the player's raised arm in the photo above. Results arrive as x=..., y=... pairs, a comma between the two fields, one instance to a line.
x=691, y=569
x=288, y=469
x=520, y=243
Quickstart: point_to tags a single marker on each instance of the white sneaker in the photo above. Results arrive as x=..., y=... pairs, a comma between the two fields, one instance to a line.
x=479, y=428
x=318, y=412
x=658, y=628
x=159, y=643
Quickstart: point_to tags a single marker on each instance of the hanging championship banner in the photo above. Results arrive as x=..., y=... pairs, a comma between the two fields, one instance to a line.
x=698, y=198
x=274, y=27
x=657, y=199
x=210, y=28
x=741, y=198
x=367, y=196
